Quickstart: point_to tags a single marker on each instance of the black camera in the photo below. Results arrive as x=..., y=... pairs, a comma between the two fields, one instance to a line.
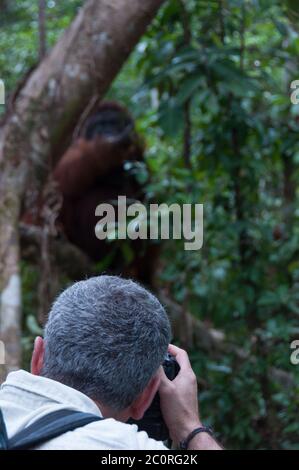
x=152, y=421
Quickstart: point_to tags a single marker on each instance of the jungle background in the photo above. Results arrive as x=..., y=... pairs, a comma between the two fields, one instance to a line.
x=209, y=87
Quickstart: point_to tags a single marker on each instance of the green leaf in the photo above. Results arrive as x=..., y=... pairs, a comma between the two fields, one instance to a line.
x=171, y=120
x=187, y=89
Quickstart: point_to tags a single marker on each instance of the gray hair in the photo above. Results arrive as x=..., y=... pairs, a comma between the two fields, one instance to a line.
x=106, y=337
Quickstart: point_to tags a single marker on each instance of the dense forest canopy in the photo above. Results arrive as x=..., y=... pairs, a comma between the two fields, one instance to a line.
x=209, y=86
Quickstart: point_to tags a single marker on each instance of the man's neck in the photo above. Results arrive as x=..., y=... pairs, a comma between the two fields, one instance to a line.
x=108, y=412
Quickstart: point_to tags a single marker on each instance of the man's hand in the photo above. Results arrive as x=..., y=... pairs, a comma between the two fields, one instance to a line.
x=179, y=404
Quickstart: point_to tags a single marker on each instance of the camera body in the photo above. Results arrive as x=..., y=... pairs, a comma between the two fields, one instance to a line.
x=152, y=422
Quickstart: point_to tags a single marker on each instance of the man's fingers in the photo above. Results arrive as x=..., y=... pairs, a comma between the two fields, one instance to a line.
x=180, y=355
x=165, y=382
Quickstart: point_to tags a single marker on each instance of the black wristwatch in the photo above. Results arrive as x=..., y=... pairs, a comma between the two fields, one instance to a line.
x=185, y=443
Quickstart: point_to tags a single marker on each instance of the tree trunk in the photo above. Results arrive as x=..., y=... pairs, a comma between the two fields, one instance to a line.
x=82, y=64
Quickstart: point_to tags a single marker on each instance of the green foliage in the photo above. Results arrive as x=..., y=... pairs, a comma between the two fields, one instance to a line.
x=19, y=35
x=231, y=63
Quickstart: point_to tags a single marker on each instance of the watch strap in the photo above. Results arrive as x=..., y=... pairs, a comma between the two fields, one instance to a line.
x=185, y=443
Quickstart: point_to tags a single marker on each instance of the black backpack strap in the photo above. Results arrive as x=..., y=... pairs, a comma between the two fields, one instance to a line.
x=48, y=427
x=3, y=433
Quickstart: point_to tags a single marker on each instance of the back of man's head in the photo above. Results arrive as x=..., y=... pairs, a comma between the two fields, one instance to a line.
x=106, y=337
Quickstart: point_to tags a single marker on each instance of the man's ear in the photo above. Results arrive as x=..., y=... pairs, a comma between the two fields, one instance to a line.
x=142, y=403
x=37, y=356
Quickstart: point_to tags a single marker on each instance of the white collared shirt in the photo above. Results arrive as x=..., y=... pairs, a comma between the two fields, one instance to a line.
x=24, y=398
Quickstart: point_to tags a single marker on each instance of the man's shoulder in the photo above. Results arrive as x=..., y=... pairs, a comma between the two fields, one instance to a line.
x=106, y=434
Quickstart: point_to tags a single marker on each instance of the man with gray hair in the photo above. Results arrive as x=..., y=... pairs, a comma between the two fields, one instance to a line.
x=104, y=343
